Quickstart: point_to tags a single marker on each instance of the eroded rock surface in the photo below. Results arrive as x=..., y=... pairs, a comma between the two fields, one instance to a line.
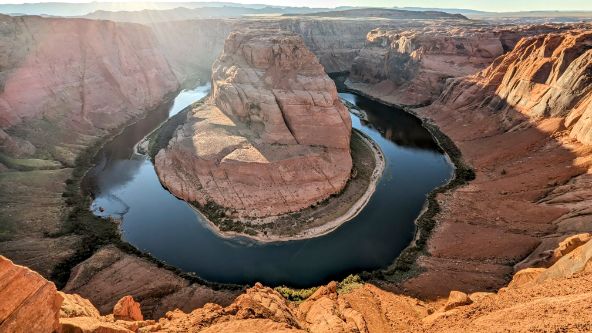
x=91, y=89
x=111, y=274
x=521, y=124
x=410, y=65
x=555, y=300
x=64, y=85
x=28, y=302
x=273, y=137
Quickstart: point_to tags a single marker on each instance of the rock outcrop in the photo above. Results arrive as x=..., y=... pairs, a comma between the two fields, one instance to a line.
x=273, y=138
x=546, y=76
x=111, y=274
x=28, y=302
x=127, y=309
x=410, y=65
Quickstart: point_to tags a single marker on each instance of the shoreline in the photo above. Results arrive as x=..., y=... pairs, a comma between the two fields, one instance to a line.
x=405, y=265
x=326, y=228
x=108, y=231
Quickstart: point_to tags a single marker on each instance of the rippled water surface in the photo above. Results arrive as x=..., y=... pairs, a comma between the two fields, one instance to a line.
x=125, y=185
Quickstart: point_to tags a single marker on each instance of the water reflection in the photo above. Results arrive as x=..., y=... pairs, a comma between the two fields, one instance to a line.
x=399, y=127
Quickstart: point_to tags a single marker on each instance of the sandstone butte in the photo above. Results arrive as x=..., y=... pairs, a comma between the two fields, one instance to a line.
x=273, y=137
x=538, y=300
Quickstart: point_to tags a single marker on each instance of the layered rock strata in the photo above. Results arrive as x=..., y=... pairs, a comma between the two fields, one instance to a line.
x=522, y=124
x=64, y=85
x=410, y=65
x=273, y=137
x=112, y=72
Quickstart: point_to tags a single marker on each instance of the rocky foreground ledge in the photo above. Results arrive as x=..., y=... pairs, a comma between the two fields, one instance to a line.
x=273, y=138
x=554, y=299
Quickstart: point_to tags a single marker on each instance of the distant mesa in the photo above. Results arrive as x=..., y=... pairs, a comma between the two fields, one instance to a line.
x=386, y=13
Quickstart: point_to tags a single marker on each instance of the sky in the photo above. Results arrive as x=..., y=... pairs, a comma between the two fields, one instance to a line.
x=486, y=5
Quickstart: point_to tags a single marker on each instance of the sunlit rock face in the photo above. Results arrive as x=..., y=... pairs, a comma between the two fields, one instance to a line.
x=272, y=138
x=411, y=65
x=74, y=78
x=542, y=77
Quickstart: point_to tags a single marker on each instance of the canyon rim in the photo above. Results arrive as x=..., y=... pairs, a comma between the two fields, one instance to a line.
x=278, y=156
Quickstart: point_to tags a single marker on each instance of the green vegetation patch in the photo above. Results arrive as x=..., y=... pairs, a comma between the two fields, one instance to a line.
x=296, y=295
x=28, y=164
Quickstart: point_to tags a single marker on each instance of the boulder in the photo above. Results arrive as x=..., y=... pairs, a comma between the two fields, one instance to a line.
x=127, y=309
x=525, y=276
x=456, y=299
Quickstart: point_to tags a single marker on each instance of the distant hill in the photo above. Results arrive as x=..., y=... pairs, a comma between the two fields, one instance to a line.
x=177, y=14
x=82, y=9
x=384, y=13
x=445, y=10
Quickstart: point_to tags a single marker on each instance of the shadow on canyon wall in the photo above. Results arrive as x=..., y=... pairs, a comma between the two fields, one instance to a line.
x=488, y=226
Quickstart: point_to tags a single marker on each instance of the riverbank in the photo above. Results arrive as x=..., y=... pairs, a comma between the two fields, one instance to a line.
x=405, y=266
x=315, y=221
x=473, y=237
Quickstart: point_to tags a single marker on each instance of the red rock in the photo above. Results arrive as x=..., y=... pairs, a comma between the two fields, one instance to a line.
x=411, y=65
x=127, y=309
x=272, y=139
x=111, y=73
x=28, y=302
x=456, y=299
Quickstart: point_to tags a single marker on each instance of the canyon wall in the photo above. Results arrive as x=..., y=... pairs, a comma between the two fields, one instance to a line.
x=64, y=85
x=410, y=65
x=192, y=46
x=522, y=124
x=546, y=76
x=273, y=137
x=111, y=73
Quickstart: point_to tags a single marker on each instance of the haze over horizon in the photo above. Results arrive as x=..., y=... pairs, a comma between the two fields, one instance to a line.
x=491, y=6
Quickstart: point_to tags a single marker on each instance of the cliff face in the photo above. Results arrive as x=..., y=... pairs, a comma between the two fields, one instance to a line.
x=111, y=73
x=417, y=63
x=64, y=84
x=522, y=124
x=542, y=77
x=29, y=303
x=336, y=43
x=192, y=46
x=410, y=66
x=273, y=138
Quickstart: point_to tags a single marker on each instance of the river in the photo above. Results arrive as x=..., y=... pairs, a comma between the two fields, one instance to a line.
x=125, y=185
